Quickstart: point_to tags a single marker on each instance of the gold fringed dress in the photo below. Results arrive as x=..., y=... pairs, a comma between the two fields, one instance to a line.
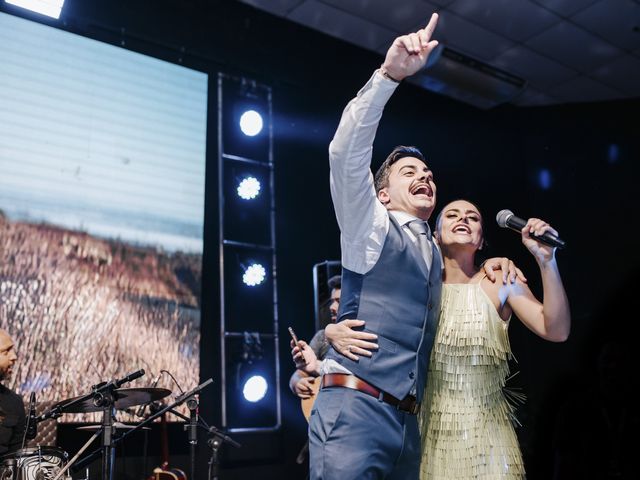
x=466, y=417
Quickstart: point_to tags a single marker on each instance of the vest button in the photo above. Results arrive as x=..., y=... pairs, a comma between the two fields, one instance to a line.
x=430, y=306
x=412, y=375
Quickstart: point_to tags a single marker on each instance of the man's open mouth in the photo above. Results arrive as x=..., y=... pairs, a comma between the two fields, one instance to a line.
x=422, y=190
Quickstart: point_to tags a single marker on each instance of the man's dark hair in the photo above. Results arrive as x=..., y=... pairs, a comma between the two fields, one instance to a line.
x=335, y=282
x=401, y=151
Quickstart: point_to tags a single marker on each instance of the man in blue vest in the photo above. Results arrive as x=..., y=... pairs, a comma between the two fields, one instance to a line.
x=363, y=424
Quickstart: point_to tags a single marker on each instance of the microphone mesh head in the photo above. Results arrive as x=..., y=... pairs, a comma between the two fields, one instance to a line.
x=502, y=217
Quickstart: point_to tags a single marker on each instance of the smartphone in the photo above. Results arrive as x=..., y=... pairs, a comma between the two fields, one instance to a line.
x=293, y=335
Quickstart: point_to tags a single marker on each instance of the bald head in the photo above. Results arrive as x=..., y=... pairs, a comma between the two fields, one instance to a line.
x=8, y=355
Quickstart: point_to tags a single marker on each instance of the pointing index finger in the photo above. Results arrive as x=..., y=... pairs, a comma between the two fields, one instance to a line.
x=431, y=26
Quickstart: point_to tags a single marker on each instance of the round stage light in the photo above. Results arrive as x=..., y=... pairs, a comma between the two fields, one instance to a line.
x=251, y=123
x=249, y=188
x=254, y=275
x=255, y=388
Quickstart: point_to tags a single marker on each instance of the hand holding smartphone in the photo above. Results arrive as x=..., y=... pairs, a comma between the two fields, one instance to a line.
x=298, y=357
x=293, y=336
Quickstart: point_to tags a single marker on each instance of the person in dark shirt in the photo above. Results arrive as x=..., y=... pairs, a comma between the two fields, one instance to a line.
x=12, y=414
x=301, y=383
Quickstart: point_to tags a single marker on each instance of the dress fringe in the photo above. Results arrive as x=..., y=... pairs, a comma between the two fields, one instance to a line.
x=468, y=415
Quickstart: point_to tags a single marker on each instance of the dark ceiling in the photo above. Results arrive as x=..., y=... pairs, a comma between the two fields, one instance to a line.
x=558, y=51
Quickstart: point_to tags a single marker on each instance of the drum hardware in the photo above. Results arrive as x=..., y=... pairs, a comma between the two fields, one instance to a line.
x=168, y=408
x=116, y=426
x=121, y=398
x=98, y=432
x=33, y=463
x=105, y=397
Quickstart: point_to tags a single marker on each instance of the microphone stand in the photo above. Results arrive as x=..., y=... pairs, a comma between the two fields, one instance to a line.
x=216, y=440
x=179, y=401
x=192, y=432
x=216, y=436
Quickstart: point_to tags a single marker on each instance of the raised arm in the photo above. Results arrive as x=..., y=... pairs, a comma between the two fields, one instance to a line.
x=350, y=151
x=550, y=319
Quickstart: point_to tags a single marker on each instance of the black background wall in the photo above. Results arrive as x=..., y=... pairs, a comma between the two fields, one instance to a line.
x=492, y=157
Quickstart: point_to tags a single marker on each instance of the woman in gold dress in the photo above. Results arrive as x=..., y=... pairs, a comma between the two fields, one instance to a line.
x=466, y=414
x=467, y=417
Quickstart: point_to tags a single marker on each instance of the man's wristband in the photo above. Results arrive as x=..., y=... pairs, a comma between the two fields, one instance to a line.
x=385, y=74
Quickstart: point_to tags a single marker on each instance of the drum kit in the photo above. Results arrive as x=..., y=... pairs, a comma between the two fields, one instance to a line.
x=52, y=463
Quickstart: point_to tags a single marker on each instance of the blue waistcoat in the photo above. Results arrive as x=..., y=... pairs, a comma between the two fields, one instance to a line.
x=399, y=299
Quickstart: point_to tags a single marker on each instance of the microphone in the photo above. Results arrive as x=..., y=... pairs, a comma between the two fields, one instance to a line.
x=32, y=423
x=506, y=219
x=192, y=426
x=142, y=408
x=129, y=378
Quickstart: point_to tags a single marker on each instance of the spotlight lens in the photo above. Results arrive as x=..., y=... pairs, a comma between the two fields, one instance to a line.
x=255, y=388
x=249, y=188
x=251, y=123
x=254, y=275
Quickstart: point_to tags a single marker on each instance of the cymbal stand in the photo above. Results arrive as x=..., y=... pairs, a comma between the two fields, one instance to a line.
x=103, y=396
x=108, y=451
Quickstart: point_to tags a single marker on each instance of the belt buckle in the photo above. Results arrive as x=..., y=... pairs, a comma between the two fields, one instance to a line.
x=409, y=405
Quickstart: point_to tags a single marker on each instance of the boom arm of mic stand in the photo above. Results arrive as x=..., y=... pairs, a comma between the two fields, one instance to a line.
x=225, y=438
x=180, y=400
x=58, y=410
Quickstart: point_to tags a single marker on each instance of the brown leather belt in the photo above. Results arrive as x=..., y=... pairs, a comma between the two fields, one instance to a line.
x=408, y=404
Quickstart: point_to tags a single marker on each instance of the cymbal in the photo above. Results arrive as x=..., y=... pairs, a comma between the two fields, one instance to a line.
x=123, y=398
x=117, y=425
